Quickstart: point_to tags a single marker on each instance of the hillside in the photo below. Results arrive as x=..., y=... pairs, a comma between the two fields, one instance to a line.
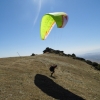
x=28, y=78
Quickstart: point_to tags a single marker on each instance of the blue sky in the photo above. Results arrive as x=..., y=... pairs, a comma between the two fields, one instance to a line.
x=20, y=26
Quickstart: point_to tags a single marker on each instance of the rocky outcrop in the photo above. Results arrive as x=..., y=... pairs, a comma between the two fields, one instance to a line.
x=50, y=50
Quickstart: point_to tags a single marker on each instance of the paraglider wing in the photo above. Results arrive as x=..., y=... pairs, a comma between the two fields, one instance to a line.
x=49, y=20
x=46, y=26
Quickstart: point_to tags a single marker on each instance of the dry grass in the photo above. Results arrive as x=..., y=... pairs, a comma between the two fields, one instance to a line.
x=28, y=78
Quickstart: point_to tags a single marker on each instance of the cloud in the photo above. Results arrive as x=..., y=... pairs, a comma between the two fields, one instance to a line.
x=38, y=10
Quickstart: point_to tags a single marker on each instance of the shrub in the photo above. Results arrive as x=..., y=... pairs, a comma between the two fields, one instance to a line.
x=69, y=55
x=89, y=62
x=73, y=55
x=95, y=64
x=33, y=54
x=79, y=58
x=98, y=67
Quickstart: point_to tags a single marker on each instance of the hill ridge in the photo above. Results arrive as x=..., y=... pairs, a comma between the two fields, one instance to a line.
x=74, y=79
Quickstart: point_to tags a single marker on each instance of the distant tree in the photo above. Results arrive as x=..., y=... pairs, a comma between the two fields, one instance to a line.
x=98, y=67
x=69, y=55
x=89, y=62
x=79, y=58
x=33, y=54
x=95, y=64
x=73, y=55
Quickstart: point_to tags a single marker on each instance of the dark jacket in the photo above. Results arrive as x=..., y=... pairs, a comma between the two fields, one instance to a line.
x=52, y=68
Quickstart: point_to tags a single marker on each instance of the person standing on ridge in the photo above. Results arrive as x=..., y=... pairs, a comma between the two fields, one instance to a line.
x=52, y=69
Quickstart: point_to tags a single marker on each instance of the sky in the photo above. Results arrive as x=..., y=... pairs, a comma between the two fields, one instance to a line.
x=20, y=26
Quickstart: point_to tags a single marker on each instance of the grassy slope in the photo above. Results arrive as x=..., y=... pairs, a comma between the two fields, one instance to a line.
x=28, y=78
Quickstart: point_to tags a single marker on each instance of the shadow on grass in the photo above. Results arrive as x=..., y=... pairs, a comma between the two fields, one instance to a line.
x=54, y=90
